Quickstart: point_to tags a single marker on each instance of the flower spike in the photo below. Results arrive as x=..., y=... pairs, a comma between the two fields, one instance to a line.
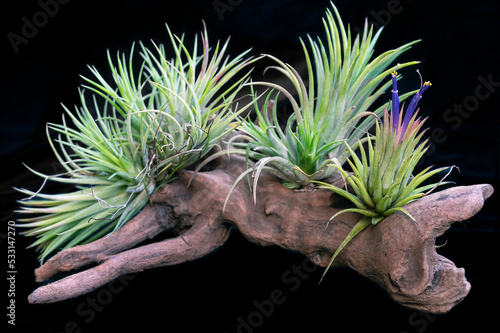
x=413, y=103
x=395, y=99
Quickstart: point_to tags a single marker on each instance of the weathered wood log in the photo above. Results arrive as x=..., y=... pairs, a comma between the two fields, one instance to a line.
x=397, y=254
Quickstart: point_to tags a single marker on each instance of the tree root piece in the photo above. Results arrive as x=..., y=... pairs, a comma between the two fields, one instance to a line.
x=397, y=254
x=198, y=241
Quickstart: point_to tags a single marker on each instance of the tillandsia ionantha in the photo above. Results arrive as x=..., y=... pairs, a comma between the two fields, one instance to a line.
x=344, y=82
x=131, y=137
x=382, y=180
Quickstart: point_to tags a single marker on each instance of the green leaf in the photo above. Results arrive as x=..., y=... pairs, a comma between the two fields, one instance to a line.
x=360, y=226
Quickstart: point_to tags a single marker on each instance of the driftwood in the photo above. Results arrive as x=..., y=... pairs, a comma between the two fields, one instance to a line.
x=397, y=254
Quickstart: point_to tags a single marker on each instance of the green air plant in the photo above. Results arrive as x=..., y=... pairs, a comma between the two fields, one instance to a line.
x=382, y=181
x=153, y=120
x=344, y=82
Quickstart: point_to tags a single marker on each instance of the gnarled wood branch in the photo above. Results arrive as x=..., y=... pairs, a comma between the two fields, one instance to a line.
x=397, y=254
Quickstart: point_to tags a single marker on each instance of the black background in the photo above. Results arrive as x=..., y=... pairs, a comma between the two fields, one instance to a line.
x=459, y=50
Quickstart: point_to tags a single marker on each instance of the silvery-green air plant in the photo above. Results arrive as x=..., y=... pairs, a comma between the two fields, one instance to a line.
x=130, y=135
x=382, y=180
x=344, y=80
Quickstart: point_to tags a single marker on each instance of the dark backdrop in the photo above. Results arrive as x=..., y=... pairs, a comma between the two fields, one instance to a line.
x=459, y=54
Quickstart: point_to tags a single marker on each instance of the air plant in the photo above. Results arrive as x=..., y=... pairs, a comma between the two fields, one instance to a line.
x=344, y=82
x=150, y=124
x=382, y=181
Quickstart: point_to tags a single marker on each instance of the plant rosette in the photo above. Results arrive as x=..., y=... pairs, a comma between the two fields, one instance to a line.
x=139, y=129
x=382, y=180
x=344, y=80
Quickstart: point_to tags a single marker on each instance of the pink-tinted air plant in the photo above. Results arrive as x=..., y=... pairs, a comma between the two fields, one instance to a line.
x=382, y=181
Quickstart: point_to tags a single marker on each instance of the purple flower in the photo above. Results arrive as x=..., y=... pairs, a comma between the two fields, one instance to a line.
x=396, y=113
x=395, y=98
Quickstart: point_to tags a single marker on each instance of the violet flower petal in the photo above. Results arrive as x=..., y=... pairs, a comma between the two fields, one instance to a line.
x=395, y=101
